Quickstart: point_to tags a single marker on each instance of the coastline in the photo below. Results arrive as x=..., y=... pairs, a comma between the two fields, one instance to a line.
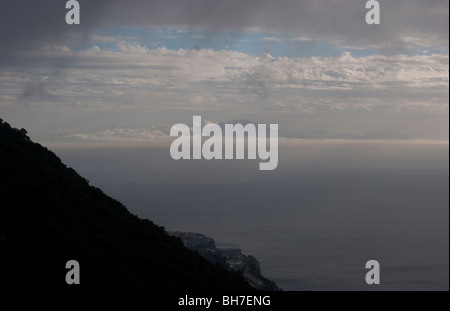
x=231, y=258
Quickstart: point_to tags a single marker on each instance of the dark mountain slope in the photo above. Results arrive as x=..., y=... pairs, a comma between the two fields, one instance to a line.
x=49, y=215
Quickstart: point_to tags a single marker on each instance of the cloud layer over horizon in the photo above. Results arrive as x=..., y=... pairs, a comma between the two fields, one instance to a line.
x=312, y=66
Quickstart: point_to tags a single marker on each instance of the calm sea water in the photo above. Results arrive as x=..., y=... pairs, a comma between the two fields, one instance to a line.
x=314, y=222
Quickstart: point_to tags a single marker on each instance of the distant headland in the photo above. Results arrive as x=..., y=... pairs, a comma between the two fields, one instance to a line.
x=230, y=258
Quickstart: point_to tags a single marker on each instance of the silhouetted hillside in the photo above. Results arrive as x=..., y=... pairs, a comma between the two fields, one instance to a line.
x=49, y=215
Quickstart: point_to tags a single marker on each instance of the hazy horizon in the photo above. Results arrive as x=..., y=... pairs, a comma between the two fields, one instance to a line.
x=386, y=200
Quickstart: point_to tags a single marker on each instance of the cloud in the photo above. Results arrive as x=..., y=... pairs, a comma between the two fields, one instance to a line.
x=271, y=39
x=121, y=135
x=132, y=73
x=95, y=76
x=301, y=39
x=36, y=91
x=404, y=23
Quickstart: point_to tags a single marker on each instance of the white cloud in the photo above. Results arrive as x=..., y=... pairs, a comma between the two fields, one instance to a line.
x=271, y=39
x=133, y=74
x=118, y=135
x=131, y=84
x=301, y=39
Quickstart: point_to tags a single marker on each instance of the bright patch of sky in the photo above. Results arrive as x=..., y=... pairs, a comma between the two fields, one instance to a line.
x=252, y=43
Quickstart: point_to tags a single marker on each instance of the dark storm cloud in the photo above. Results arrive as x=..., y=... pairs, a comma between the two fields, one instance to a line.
x=26, y=23
x=323, y=18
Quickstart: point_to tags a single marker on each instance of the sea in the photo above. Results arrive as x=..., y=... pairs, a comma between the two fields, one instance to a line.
x=313, y=223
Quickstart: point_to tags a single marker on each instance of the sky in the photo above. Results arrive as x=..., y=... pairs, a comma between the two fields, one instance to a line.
x=132, y=69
